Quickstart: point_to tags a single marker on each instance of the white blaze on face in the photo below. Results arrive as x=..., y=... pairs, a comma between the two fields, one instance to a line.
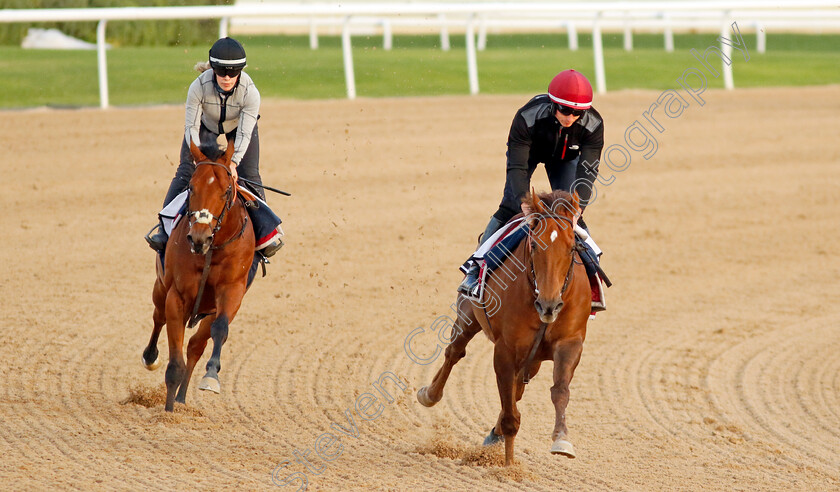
x=212, y=178
x=203, y=216
x=553, y=236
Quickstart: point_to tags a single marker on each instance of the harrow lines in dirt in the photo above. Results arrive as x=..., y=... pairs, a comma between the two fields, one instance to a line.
x=715, y=368
x=765, y=393
x=247, y=379
x=59, y=439
x=827, y=385
x=81, y=390
x=27, y=408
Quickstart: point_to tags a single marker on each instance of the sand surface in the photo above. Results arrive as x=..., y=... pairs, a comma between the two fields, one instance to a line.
x=716, y=367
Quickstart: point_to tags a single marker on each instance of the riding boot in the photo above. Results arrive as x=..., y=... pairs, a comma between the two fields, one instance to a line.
x=157, y=238
x=470, y=282
x=273, y=248
x=492, y=226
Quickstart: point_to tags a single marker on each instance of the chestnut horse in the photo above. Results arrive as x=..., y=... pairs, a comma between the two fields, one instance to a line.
x=207, y=256
x=539, y=315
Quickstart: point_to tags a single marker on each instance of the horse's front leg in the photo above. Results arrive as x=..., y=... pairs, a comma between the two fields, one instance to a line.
x=566, y=358
x=495, y=436
x=465, y=328
x=228, y=301
x=175, y=326
x=508, y=425
x=151, y=356
x=195, y=347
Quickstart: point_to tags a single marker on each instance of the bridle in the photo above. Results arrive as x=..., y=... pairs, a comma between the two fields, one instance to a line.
x=532, y=277
x=205, y=217
x=529, y=251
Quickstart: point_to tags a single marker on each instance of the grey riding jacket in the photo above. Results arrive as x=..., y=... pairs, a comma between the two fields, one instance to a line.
x=222, y=113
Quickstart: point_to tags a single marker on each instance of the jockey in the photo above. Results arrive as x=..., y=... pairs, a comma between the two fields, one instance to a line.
x=223, y=100
x=560, y=129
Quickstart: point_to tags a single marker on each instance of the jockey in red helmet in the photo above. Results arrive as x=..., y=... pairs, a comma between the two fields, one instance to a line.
x=571, y=89
x=560, y=129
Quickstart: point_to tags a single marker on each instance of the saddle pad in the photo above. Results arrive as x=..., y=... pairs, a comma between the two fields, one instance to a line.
x=173, y=211
x=493, y=252
x=266, y=223
x=495, y=249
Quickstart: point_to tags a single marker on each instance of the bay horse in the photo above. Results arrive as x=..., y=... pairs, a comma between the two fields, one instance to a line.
x=539, y=315
x=207, y=261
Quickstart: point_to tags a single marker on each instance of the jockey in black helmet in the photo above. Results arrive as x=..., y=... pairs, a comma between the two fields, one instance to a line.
x=223, y=100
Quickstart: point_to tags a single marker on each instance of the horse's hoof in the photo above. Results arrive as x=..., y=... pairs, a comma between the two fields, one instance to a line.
x=154, y=365
x=210, y=384
x=561, y=446
x=493, y=438
x=423, y=397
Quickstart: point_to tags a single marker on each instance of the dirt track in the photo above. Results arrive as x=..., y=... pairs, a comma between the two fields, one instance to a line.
x=717, y=366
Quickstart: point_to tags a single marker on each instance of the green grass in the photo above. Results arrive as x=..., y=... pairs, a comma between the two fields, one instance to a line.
x=284, y=66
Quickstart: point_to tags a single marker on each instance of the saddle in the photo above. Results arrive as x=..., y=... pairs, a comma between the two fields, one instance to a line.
x=493, y=251
x=268, y=233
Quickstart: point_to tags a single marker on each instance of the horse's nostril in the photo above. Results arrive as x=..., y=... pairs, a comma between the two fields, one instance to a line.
x=546, y=308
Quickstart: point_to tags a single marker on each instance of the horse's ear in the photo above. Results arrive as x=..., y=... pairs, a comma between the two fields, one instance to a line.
x=537, y=204
x=576, y=202
x=535, y=208
x=578, y=211
x=196, y=153
x=229, y=151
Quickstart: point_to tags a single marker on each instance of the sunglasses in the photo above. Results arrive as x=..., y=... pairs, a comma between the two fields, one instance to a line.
x=230, y=72
x=569, y=111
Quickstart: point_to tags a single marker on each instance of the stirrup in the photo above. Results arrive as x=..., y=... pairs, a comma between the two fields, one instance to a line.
x=157, y=238
x=468, y=289
x=469, y=286
x=272, y=248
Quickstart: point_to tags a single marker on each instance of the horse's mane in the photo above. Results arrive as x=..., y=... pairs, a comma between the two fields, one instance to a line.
x=211, y=150
x=558, y=201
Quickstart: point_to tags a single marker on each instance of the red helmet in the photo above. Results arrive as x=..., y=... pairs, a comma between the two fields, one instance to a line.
x=572, y=89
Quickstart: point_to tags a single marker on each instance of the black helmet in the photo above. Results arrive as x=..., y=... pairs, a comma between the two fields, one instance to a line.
x=227, y=53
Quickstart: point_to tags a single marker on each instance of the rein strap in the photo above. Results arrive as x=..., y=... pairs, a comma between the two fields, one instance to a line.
x=230, y=198
x=201, y=283
x=537, y=340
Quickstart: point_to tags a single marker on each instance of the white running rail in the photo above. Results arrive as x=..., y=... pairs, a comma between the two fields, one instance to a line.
x=474, y=18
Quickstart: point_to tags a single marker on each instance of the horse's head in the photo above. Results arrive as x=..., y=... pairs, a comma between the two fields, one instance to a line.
x=212, y=192
x=551, y=243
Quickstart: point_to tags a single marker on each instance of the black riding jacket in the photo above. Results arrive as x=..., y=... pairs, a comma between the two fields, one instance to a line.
x=536, y=136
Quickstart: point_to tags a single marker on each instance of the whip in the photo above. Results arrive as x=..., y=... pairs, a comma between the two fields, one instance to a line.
x=275, y=190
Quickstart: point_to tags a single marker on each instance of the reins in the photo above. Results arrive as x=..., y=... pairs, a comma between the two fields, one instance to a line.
x=230, y=198
x=529, y=249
